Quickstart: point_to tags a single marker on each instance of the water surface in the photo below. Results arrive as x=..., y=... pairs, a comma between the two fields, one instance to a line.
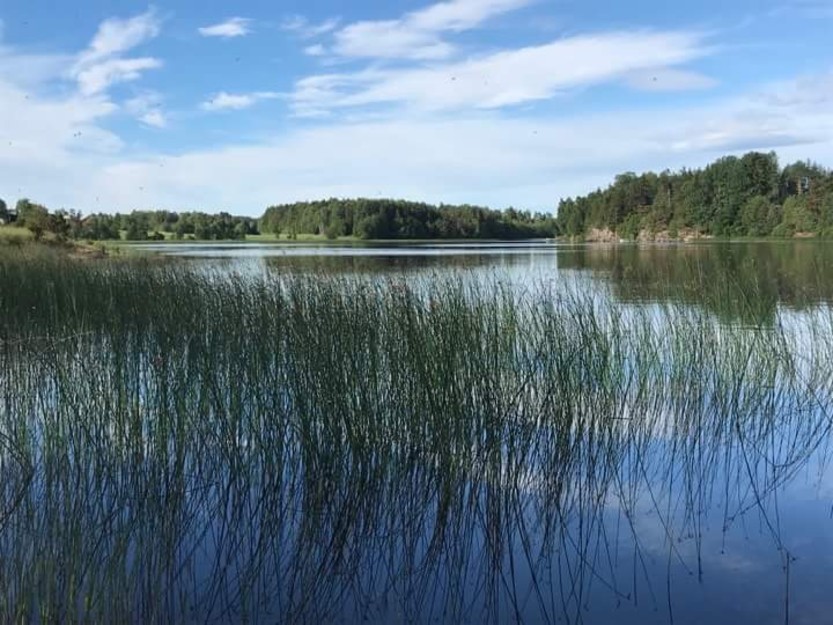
x=593, y=434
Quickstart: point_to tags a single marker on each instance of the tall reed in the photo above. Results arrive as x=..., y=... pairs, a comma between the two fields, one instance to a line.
x=193, y=445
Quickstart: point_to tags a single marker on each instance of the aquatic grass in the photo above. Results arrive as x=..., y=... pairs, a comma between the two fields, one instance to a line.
x=186, y=444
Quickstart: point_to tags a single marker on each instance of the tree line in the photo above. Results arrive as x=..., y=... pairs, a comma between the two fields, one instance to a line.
x=134, y=226
x=400, y=219
x=734, y=196
x=360, y=218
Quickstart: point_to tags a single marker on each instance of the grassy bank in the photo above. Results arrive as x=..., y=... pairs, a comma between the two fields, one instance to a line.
x=15, y=238
x=13, y=235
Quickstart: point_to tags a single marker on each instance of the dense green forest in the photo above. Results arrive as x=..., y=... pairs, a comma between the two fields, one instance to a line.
x=360, y=218
x=399, y=219
x=135, y=226
x=747, y=196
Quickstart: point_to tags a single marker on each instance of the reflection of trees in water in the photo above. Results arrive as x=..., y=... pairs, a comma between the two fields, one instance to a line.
x=337, y=265
x=735, y=280
x=308, y=452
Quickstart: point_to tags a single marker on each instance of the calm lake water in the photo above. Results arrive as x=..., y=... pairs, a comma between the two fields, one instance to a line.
x=786, y=276
x=714, y=506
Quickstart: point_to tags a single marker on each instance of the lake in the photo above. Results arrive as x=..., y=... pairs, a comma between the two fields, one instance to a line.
x=785, y=275
x=425, y=433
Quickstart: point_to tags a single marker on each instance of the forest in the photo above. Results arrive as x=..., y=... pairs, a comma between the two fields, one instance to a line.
x=135, y=226
x=400, y=219
x=359, y=218
x=748, y=196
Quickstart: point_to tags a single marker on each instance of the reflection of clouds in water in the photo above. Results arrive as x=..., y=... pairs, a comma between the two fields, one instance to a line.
x=742, y=563
x=442, y=471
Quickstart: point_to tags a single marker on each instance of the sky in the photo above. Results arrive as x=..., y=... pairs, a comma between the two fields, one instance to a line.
x=113, y=106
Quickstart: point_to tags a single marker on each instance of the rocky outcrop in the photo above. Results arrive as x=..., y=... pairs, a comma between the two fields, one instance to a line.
x=597, y=235
x=606, y=235
x=664, y=236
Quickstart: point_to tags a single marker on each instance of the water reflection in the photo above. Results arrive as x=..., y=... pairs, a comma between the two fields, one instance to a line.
x=303, y=453
x=736, y=281
x=350, y=250
x=739, y=282
x=471, y=261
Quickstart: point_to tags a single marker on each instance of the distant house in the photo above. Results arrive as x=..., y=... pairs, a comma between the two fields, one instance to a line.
x=803, y=185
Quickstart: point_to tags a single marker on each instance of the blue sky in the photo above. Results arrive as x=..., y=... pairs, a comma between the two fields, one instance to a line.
x=220, y=106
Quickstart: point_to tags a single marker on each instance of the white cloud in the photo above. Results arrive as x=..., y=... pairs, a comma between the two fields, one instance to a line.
x=101, y=64
x=304, y=28
x=481, y=158
x=229, y=101
x=460, y=15
x=806, y=91
x=99, y=77
x=116, y=35
x=147, y=108
x=315, y=50
x=60, y=137
x=786, y=114
x=504, y=78
x=155, y=118
x=664, y=79
x=390, y=40
x=233, y=27
x=56, y=129
x=416, y=35
x=47, y=129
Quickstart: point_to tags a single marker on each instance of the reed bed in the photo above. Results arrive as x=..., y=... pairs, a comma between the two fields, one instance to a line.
x=186, y=445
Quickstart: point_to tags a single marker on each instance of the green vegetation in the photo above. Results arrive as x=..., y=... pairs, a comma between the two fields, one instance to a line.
x=161, y=225
x=136, y=226
x=747, y=196
x=398, y=219
x=181, y=445
x=330, y=219
x=14, y=235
